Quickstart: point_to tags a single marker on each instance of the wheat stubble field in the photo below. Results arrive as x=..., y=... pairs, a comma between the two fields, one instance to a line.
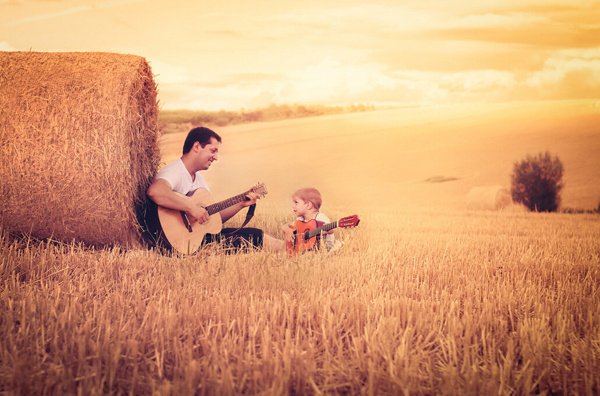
x=424, y=297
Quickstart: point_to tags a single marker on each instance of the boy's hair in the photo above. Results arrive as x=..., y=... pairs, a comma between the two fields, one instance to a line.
x=311, y=195
x=201, y=135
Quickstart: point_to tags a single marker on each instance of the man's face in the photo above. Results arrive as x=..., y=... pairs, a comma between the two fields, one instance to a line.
x=207, y=154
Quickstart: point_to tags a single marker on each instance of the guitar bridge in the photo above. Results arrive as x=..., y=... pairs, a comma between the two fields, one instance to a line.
x=186, y=221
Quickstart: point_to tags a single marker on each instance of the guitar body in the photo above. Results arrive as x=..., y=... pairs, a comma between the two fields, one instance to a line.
x=176, y=230
x=298, y=243
x=306, y=233
x=173, y=230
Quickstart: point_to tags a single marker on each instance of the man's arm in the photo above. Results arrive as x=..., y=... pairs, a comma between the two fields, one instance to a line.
x=231, y=211
x=161, y=193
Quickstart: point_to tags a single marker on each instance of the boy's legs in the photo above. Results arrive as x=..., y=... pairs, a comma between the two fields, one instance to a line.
x=271, y=244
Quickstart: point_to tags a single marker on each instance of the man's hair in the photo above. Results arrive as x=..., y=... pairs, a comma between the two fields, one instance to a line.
x=311, y=195
x=201, y=135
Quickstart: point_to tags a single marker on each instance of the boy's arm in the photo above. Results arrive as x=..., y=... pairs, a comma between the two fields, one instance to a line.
x=288, y=230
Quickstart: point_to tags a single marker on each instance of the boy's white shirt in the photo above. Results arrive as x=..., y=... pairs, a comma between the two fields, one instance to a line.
x=177, y=175
x=322, y=218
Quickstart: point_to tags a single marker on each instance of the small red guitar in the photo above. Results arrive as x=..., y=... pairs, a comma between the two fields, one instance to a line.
x=305, y=233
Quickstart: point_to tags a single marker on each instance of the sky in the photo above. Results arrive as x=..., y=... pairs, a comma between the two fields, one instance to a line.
x=213, y=55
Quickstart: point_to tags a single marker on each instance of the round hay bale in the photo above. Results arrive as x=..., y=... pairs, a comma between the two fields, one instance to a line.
x=78, y=141
x=488, y=198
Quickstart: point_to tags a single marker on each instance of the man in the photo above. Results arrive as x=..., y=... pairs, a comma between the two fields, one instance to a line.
x=173, y=182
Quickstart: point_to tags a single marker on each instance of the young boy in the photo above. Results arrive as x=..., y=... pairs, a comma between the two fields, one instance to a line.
x=306, y=203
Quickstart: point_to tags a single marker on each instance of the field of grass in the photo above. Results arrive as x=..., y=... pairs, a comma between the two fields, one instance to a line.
x=434, y=302
x=389, y=158
x=424, y=297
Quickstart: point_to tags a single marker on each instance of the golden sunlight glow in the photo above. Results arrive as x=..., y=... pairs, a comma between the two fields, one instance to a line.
x=413, y=115
x=240, y=55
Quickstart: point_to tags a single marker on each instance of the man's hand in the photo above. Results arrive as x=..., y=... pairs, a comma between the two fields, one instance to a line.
x=250, y=199
x=199, y=213
x=228, y=213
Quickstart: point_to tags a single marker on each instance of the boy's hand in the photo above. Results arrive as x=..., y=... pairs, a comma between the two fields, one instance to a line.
x=288, y=231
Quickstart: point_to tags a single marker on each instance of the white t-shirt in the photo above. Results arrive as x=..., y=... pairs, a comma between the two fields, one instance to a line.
x=177, y=175
x=322, y=219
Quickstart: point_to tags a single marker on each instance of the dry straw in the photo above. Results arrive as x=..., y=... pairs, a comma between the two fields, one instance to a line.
x=78, y=142
x=488, y=198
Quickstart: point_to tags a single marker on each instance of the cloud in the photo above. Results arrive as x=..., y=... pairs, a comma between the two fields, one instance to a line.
x=494, y=21
x=333, y=80
x=116, y=3
x=577, y=28
x=251, y=78
x=429, y=86
x=52, y=15
x=570, y=73
x=199, y=97
x=326, y=81
x=360, y=17
x=166, y=73
x=477, y=81
x=71, y=11
x=4, y=46
x=565, y=74
x=225, y=33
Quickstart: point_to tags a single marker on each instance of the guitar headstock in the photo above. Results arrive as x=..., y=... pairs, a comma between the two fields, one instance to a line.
x=259, y=189
x=349, y=221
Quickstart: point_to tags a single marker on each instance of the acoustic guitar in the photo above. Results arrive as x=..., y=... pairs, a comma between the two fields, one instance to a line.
x=305, y=233
x=183, y=233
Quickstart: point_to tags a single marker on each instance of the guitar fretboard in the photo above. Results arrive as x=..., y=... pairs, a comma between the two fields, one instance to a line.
x=219, y=206
x=318, y=230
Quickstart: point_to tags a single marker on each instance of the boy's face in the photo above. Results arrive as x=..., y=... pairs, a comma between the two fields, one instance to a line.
x=300, y=206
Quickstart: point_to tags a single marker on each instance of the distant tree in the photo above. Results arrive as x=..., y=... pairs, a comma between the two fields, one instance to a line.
x=537, y=182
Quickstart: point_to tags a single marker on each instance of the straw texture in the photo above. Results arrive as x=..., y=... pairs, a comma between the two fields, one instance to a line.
x=78, y=143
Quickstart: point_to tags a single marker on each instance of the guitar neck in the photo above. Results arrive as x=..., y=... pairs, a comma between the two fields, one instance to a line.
x=219, y=206
x=323, y=228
